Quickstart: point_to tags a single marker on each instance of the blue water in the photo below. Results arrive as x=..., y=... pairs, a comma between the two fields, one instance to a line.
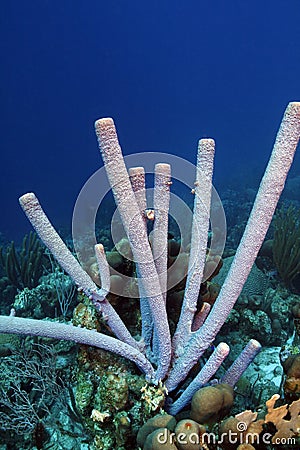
x=168, y=72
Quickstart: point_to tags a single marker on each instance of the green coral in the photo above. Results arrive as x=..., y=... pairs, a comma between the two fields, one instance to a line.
x=112, y=392
x=84, y=392
x=113, y=400
x=23, y=267
x=122, y=423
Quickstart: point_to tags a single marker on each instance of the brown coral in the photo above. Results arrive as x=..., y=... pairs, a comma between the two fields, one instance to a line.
x=211, y=403
x=292, y=382
x=286, y=427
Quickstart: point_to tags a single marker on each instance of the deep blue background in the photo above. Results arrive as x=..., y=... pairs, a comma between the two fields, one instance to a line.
x=168, y=72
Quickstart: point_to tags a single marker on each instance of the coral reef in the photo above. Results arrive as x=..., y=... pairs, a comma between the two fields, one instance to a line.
x=55, y=296
x=277, y=426
x=109, y=395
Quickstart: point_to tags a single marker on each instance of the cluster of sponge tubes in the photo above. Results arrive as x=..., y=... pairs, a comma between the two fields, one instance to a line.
x=173, y=357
